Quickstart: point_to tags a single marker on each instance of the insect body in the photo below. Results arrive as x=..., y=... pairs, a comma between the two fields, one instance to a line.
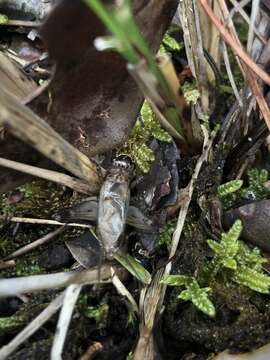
x=113, y=205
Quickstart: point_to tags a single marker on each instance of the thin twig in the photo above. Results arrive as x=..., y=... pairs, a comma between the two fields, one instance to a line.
x=238, y=6
x=247, y=20
x=251, y=77
x=92, y=351
x=71, y=296
x=31, y=328
x=25, y=284
x=7, y=264
x=254, y=14
x=50, y=175
x=237, y=49
x=122, y=290
x=22, y=23
x=41, y=221
x=28, y=127
x=33, y=245
x=230, y=74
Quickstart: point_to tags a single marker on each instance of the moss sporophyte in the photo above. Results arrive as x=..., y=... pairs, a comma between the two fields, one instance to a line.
x=233, y=262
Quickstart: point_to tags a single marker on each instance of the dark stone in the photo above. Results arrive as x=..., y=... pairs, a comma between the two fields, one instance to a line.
x=55, y=258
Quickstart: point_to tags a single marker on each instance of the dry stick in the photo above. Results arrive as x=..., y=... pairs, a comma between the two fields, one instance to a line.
x=188, y=13
x=237, y=49
x=31, y=328
x=251, y=77
x=239, y=6
x=23, y=23
x=230, y=74
x=152, y=298
x=7, y=264
x=29, y=247
x=247, y=20
x=122, y=290
x=54, y=176
x=27, y=126
x=25, y=284
x=71, y=296
x=254, y=13
x=92, y=351
x=41, y=221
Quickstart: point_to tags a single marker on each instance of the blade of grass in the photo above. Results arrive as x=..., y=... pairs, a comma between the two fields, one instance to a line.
x=134, y=267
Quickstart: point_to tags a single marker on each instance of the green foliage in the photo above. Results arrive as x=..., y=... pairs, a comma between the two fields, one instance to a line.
x=191, y=93
x=194, y=293
x=134, y=267
x=229, y=187
x=237, y=261
x=165, y=237
x=144, y=128
x=169, y=43
x=3, y=19
x=27, y=267
x=256, y=180
x=226, y=250
x=126, y=39
x=98, y=313
x=233, y=191
x=233, y=262
x=10, y=323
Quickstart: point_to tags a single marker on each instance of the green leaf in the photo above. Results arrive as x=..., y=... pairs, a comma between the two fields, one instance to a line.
x=203, y=303
x=215, y=246
x=3, y=19
x=176, y=280
x=229, y=187
x=134, y=267
x=230, y=263
x=253, y=279
x=185, y=295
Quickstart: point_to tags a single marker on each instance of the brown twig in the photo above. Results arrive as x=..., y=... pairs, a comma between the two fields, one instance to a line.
x=41, y=221
x=251, y=77
x=230, y=40
x=92, y=351
x=29, y=247
x=22, y=23
x=73, y=183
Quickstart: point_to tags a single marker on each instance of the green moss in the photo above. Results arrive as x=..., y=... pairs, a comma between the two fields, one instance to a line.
x=98, y=313
x=165, y=237
x=27, y=267
x=3, y=19
x=194, y=293
x=233, y=191
x=10, y=323
x=136, y=148
x=191, y=93
x=233, y=263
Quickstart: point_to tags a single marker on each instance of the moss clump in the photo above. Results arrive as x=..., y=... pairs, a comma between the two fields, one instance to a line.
x=3, y=19
x=193, y=292
x=10, y=323
x=98, y=313
x=136, y=147
x=169, y=42
x=233, y=262
x=232, y=192
x=165, y=237
x=191, y=93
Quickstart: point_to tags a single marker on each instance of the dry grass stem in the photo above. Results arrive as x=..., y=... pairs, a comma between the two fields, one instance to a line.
x=21, y=285
x=41, y=221
x=54, y=176
x=71, y=296
x=31, y=328
x=33, y=245
x=27, y=126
